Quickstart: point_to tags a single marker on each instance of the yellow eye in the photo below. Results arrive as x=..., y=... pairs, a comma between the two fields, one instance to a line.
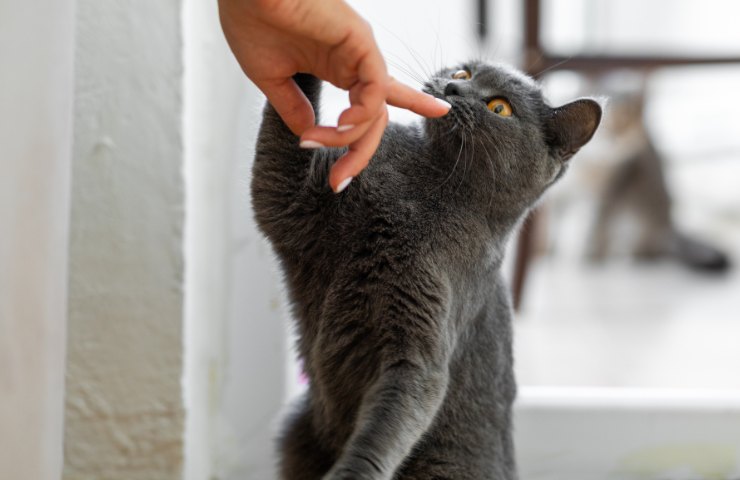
x=500, y=106
x=461, y=75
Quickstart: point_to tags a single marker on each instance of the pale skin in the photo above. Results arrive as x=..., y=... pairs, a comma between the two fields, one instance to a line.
x=275, y=39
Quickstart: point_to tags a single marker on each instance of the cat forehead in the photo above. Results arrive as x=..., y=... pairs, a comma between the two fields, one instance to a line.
x=502, y=70
x=498, y=74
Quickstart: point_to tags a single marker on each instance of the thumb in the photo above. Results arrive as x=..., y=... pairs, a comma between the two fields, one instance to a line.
x=290, y=103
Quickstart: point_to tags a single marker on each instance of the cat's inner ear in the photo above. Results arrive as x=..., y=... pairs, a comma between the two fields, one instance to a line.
x=571, y=126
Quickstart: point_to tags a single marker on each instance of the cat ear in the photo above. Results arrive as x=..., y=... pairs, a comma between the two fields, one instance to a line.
x=571, y=126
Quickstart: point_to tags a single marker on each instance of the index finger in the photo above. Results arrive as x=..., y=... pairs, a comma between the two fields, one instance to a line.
x=402, y=96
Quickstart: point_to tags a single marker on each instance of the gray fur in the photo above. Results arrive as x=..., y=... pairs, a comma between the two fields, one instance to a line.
x=395, y=284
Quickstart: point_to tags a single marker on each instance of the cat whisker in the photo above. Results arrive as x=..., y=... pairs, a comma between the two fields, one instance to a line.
x=403, y=66
x=411, y=70
x=457, y=160
x=425, y=67
x=493, y=173
x=466, y=159
x=437, y=50
x=539, y=74
x=414, y=54
x=405, y=70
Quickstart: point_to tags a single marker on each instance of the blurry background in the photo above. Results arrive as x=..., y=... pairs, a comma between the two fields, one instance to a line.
x=631, y=321
x=179, y=360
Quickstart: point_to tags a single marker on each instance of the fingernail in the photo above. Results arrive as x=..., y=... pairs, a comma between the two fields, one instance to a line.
x=344, y=128
x=443, y=103
x=344, y=184
x=310, y=144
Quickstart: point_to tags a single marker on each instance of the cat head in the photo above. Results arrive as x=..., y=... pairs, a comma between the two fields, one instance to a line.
x=500, y=131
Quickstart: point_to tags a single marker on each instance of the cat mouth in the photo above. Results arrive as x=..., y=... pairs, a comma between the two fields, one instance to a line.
x=459, y=103
x=432, y=90
x=460, y=117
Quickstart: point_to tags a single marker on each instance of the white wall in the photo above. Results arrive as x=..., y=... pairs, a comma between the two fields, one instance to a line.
x=124, y=412
x=235, y=336
x=36, y=45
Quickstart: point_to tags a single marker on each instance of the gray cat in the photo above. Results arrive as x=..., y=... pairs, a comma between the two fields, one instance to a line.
x=403, y=318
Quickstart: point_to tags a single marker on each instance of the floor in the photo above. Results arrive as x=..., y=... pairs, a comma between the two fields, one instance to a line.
x=627, y=325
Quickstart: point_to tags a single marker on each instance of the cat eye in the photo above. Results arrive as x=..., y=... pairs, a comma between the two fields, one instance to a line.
x=500, y=106
x=461, y=75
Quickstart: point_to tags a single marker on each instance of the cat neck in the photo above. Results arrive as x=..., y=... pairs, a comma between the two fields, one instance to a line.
x=467, y=182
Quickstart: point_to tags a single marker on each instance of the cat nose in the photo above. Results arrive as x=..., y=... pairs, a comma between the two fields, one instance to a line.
x=453, y=88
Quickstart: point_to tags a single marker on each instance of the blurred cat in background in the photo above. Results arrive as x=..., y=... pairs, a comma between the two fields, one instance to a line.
x=637, y=185
x=623, y=174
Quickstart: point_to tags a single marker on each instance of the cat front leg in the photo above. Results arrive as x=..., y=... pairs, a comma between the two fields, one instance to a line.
x=287, y=180
x=395, y=413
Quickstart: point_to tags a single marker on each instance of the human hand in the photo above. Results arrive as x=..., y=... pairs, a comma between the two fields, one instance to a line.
x=275, y=39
